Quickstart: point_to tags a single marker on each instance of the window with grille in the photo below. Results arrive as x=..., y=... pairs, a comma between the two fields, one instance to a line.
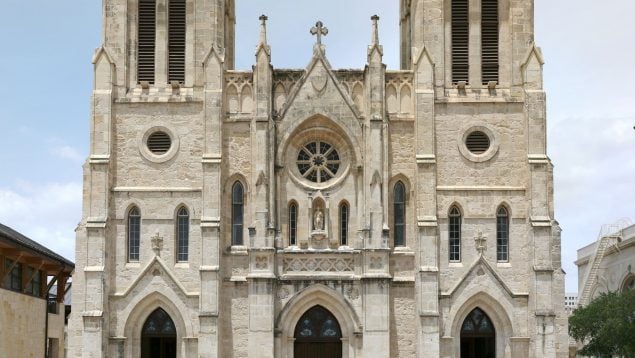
x=477, y=142
x=400, y=214
x=134, y=234
x=489, y=40
x=344, y=224
x=146, y=40
x=454, y=234
x=502, y=235
x=293, y=224
x=159, y=143
x=460, y=40
x=237, y=213
x=183, y=235
x=176, y=41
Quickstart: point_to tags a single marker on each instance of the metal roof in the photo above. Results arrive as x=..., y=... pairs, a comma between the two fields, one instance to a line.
x=9, y=234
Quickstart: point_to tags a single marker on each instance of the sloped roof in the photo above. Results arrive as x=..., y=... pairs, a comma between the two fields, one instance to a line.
x=7, y=233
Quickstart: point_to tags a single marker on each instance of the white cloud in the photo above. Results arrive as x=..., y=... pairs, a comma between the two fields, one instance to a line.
x=67, y=152
x=47, y=213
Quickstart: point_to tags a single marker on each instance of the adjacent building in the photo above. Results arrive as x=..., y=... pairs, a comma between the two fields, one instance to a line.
x=607, y=265
x=32, y=323
x=349, y=213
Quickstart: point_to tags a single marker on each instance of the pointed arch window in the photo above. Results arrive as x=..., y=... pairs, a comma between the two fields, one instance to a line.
x=454, y=235
x=182, y=235
x=293, y=224
x=399, y=213
x=502, y=234
x=344, y=217
x=237, y=213
x=134, y=234
x=489, y=41
x=146, y=40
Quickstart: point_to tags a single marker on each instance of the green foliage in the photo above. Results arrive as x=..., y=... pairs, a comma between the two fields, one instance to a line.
x=606, y=325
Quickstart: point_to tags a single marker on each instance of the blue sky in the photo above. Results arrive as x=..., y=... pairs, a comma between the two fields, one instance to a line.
x=46, y=48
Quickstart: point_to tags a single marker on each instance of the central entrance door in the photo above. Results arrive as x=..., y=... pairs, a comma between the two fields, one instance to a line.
x=478, y=336
x=158, y=338
x=318, y=335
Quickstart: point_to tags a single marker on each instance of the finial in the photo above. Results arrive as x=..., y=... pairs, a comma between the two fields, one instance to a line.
x=263, y=29
x=375, y=34
x=319, y=30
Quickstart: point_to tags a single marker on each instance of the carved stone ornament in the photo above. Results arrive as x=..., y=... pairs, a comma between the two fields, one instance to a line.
x=481, y=243
x=157, y=243
x=318, y=220
x=262, y=262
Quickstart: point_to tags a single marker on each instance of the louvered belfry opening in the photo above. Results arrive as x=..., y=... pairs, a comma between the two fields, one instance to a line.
x=146, y=41
x=176, y=41
x=489, y=40
x=460, y=40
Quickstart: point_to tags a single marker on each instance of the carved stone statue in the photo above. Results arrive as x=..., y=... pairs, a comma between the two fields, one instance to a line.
x=318, y=220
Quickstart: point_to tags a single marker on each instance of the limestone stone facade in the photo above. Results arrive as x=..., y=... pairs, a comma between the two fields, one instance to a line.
x=399, y=202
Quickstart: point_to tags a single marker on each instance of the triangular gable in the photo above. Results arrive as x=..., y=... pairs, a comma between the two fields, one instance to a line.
x=102, y=52
x=318, y=58
x=154, y=263
x=533, y=51
x=482, y=264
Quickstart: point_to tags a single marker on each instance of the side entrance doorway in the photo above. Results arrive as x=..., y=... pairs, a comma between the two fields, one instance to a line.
x=478, y=336
x=318, y=335
x=158, y=338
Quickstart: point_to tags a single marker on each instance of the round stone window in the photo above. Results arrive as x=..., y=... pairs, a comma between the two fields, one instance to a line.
x=318, y=162
x=159, y=143
x=477, y=142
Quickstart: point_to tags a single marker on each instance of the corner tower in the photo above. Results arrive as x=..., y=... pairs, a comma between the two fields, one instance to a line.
x=148, y=238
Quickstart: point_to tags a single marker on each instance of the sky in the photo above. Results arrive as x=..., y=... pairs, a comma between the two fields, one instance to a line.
x=46, y=49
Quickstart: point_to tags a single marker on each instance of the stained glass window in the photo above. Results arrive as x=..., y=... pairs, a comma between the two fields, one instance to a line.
x=159, y=323
x=400, y=214
x=318, y=325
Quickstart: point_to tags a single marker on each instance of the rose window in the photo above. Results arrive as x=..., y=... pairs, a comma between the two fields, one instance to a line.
x=318, y=162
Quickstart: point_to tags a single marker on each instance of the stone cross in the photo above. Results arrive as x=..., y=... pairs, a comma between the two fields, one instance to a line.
x=319, y=30
x=157, y=243
x=481, y=243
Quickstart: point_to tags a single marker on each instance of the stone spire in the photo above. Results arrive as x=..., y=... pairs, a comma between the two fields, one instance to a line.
x=263, y=30
x=375, y=32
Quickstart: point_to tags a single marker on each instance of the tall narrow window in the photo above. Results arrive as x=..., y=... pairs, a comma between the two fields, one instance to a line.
x=344, y=224
x=237, y=213
x=146, y=40
x=182, y=235
x=293, y=224
x=454, y=234
x=13, y=278
x=502, y=235
x=460, y=40
x=176, y=41
x=134, y=234
x=400, y=214
x=489, y=40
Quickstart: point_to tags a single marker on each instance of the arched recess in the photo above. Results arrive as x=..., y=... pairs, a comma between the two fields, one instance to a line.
x=143, y=308
x=318, y=295
x=232, y=99
x=409, y=217
x=279, y=97
x=498, y=313
x=628, y=283
x=391, y=99
x=246, y=100
x=406, y=99
x=358, y=97
x=226, y=203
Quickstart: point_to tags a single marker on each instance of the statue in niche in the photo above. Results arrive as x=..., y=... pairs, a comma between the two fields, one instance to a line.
x=318, y=219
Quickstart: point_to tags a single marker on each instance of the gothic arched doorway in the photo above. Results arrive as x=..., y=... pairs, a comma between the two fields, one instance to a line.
x=318, y=335
x=478, y=336
x=158, y=337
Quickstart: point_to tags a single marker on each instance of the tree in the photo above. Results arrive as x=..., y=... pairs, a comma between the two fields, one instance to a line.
x=606, y=325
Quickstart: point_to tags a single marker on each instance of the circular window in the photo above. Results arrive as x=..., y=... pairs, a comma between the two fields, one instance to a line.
x=477, y=142
x=318, y=162
x=159, y=143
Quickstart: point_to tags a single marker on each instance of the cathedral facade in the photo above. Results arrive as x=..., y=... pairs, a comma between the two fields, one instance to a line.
x=318, y=212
